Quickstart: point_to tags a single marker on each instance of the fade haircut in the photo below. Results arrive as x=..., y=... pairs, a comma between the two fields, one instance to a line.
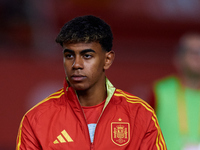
x=86, y=29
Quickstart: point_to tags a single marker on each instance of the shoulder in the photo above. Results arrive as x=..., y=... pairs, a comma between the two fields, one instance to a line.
x=132, y=101
x=46, y=106
x=139, y=110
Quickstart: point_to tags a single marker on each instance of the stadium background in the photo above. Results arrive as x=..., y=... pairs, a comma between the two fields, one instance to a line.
x=145, y=35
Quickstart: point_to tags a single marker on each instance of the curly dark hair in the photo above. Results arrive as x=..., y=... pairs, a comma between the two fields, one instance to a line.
x=86, y=29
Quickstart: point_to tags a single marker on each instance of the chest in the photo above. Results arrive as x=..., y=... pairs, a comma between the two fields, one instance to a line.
x=68, y=129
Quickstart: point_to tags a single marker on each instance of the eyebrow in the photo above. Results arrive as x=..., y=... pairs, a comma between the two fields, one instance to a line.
x=82, y=52
x=68, y=50
x=87, y=50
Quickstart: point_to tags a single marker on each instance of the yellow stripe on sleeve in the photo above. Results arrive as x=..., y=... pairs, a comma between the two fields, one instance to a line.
x=160, y=143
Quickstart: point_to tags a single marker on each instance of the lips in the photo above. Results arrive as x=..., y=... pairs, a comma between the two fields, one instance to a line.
x=78, y=78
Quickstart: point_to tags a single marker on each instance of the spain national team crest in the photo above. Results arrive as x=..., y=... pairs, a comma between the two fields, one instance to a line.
x=120, y=133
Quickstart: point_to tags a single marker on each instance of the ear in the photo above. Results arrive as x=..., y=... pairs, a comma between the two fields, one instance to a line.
x=109, y=58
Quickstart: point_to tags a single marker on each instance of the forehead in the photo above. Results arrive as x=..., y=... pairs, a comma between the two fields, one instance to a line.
x=82, y=46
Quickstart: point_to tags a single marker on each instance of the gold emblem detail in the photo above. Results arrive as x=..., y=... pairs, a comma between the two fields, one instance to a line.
x=120, y=133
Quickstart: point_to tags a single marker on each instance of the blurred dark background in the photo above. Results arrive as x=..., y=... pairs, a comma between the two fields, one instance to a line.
x=145, y=35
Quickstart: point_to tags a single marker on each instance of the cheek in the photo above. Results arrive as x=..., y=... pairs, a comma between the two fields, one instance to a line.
x=66, y=68
x=94, y=67
x=97, y=72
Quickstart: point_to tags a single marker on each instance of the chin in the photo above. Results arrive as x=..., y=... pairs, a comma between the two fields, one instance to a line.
x=79, y=88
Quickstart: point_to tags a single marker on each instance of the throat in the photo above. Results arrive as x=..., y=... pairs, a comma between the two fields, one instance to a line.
x=93, y=99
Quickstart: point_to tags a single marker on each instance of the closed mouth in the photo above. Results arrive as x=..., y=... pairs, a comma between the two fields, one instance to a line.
x=78, y=77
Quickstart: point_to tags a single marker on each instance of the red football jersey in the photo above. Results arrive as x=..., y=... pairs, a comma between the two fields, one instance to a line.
x=58, y=122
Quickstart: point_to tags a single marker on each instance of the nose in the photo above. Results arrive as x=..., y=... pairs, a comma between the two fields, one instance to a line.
x=78, y=63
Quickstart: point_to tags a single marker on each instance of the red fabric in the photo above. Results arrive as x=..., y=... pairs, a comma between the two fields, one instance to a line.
x=93, y=113
x=59, y=123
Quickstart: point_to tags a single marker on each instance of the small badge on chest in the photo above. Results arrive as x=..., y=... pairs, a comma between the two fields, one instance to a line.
x=120, y=132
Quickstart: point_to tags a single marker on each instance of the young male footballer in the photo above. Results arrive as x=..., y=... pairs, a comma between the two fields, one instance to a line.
x=89, y=113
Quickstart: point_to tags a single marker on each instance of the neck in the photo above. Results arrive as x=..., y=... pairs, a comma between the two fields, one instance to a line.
x=93, y=96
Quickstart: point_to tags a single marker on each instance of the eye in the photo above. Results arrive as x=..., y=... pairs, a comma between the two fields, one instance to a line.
x=68, y=56
x=87, y=56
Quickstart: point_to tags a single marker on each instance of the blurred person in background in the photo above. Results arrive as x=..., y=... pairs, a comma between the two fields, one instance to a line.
x=177, y=97
x=89, y=112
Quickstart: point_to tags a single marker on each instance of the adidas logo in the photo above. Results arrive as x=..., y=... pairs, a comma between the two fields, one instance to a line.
x=63, y=138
